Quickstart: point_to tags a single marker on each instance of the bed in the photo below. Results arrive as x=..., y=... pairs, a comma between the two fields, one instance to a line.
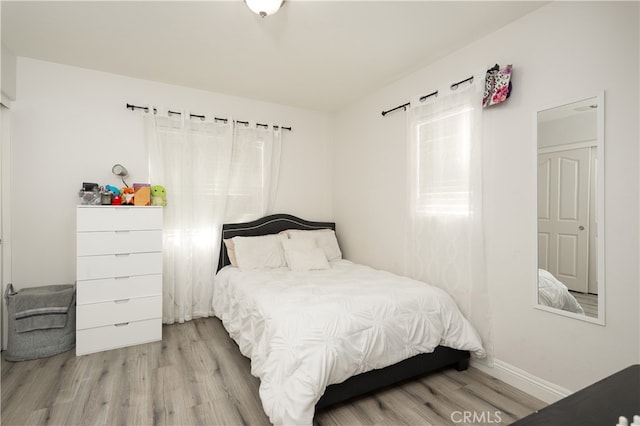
x=314, y=337
x=555, y=294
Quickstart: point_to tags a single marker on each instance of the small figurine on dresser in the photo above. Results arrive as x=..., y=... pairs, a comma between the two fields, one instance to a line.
x=158, y=196
x=114, y=191
x=127, y=195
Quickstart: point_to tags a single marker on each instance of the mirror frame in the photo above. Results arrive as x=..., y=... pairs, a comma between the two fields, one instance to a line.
x=600, y=211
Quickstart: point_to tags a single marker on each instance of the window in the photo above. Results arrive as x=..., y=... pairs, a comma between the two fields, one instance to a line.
x=250, y=176
x=442, y=155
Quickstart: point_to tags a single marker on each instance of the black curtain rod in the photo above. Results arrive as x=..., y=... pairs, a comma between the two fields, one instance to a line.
x=422, y=99
x=454, y=86
x=201, y=117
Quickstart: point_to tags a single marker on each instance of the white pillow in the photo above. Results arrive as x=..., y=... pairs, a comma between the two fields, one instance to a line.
x=306, y=260
x=325, y=239
x=299, y=244
x=231, y=251
x=263, y=252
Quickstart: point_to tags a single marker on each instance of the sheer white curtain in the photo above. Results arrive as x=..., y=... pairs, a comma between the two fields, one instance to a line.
x=445, y=245
x=255, y=167
x=200, y=163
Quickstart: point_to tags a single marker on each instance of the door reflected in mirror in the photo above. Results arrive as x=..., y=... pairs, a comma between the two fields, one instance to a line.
x=570, y=209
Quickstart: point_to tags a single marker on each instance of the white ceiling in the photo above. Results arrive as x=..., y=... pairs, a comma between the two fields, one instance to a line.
x=313, y=54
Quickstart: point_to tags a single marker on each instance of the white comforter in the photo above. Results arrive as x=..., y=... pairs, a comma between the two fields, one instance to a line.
x=555, y=294
x=306, y=330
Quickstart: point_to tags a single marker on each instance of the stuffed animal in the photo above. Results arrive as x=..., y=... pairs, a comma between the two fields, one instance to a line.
x=158, y=196
x=115, y=191
x=127, y=195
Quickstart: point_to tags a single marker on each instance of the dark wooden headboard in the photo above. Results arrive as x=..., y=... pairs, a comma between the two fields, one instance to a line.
x=271, y=224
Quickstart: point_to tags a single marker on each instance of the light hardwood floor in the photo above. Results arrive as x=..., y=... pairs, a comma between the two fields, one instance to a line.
x=197, y=376
x=589, y=303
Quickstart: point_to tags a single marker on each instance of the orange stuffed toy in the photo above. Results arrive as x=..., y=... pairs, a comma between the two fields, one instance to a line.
x=127, y=195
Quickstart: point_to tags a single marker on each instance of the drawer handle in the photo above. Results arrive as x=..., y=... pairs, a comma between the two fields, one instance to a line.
x=124, y=277
x=122, y=231
x=120, y=301
x=122, y=324
x=122, y=254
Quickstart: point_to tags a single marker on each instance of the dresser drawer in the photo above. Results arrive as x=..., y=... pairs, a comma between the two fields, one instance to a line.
x=112, y=336
x=118, y=312
x=118, y=265
x=111, y=242
x=118, y=218
x=109, y=289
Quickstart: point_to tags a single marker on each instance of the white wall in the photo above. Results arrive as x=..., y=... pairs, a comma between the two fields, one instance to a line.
x=70, y=125
x=8, y=75
x=563, y=52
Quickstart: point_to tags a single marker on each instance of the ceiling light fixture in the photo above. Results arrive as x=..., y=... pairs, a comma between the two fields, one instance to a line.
x=585, y=108
x=264, y=7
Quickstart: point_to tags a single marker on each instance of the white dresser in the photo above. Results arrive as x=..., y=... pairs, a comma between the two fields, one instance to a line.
x=119, y=277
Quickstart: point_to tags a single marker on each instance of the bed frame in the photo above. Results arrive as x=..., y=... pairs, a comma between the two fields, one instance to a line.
x=363, y=383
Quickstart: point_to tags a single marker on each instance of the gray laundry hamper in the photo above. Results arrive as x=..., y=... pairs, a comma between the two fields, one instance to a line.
x=42, y=321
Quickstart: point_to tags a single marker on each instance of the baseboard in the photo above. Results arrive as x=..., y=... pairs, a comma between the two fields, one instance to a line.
x=526, y=382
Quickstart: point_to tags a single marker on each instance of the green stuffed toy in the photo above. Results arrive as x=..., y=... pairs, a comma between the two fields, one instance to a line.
x=158, y=196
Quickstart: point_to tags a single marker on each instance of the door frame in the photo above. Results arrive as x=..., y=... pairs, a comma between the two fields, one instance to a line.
x=5, y=214
x=588, y=240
